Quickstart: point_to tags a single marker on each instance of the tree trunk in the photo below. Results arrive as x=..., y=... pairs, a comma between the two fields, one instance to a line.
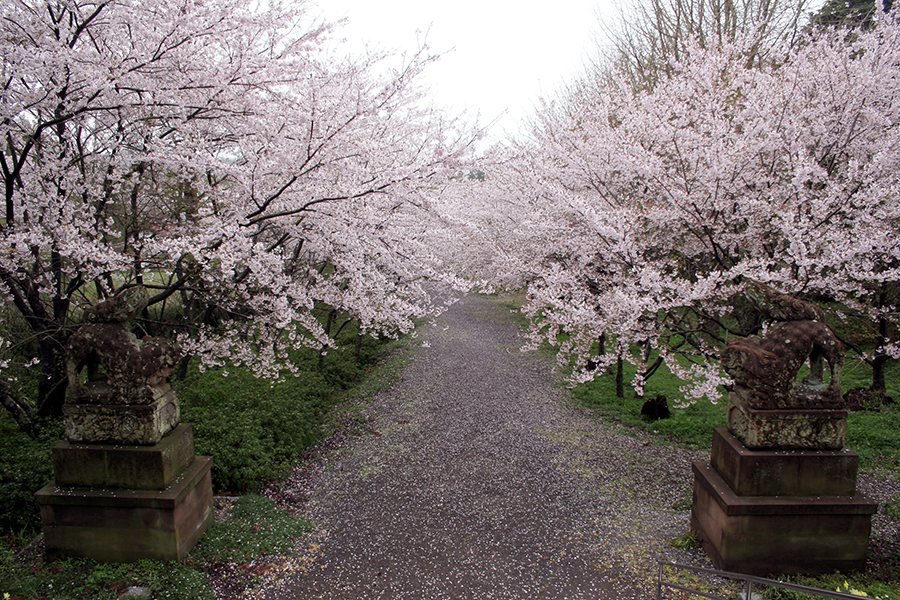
x=880, y=359
x=620, y=377
x=181, y=368
x=329, y=322
x=652, y=369
x=53, y=382
x=18, y=408
x=878, y=363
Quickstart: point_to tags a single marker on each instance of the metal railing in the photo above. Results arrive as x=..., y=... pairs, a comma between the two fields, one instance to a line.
x=749, y=582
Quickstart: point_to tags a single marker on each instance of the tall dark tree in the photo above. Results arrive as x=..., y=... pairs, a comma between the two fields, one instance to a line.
x=852, y=13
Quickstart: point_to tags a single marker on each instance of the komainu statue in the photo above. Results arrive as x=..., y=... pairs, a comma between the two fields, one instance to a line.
x=121, y=369
x=779, y=494
x=127, y=484
x=117, y=383
x=765, y=368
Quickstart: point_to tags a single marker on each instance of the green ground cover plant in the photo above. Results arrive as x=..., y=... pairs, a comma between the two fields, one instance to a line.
x=255, y=528
x=855, y=584
x=26, y=467
x=81, y=579
x=253, y=428
x=862, y=585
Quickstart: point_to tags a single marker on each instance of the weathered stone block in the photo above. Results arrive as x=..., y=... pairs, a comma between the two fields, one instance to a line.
x=765, y=535
x=128, y=525
x=141, y=424
x=783, y=472
x=797, y=429
x=131, y=467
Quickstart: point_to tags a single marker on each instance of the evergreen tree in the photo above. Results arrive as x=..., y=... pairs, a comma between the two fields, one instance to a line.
x=852, y=13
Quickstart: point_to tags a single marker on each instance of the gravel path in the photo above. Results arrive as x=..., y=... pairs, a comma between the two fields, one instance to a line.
x=476, y=480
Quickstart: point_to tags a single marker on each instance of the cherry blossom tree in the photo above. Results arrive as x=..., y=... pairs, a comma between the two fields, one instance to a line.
x=483, y=225
x=784, y=173
x=221, y=155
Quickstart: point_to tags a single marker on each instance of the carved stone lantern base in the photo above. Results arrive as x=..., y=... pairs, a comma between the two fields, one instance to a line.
x=766, y=512
x=121, y=503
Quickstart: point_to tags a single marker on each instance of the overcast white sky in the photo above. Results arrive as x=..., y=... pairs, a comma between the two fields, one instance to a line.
x=498, y=56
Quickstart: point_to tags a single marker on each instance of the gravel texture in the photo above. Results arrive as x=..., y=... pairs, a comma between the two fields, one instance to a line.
x=476, y=478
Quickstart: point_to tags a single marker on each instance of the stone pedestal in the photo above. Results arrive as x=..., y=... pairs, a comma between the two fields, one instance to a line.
x=788, y=429
x=769, y=512
x=120, y=503
x=121, y=423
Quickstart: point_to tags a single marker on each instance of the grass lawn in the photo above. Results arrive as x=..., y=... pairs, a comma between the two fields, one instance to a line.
x=874, y=435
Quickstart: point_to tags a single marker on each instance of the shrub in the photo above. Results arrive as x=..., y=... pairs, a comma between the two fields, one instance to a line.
x=26, y=468
x=252, y=428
